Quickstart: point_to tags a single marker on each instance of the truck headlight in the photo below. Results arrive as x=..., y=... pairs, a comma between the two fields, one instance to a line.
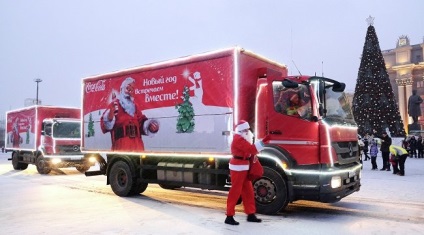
x=92, y=159
x=336, y=182
x=56, y=160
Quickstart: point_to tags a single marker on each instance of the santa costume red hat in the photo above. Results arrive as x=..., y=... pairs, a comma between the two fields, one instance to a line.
x=242, y=125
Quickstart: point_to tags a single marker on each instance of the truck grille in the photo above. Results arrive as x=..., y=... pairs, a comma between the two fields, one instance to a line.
x=70, y=149
x=346, y=150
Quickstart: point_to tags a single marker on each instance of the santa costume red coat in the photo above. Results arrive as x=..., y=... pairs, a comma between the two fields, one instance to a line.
x=127, y=130
x=242, y=151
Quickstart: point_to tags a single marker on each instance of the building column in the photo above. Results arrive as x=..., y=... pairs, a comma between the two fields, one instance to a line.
x=408, y=90
x=403, y=102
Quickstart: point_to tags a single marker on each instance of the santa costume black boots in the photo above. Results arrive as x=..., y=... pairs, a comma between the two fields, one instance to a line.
x=253, y=218
x=230, y=220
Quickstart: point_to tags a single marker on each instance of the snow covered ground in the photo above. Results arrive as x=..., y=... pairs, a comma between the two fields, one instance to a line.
x=71, y=203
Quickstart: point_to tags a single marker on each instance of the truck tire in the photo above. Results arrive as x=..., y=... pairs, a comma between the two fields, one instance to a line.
x=121, y=179
x=82, y=168
x=271, y=192
x=16, y=164
x=43, y=166
x=138, y=188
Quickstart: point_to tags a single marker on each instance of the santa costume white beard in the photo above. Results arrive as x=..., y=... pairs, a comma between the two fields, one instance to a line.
x=127, y=104
x=248, y=136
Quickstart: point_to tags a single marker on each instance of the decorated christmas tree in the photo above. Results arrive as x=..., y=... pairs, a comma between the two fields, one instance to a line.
x=374, y=105
x=185, y=122
x=27, y=135
x=90, y=126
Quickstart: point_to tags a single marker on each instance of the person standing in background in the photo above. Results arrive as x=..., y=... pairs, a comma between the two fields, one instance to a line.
x=386, y=141
x=413, y=147
x=365, y=140
x=373, y=153
x=420, y=147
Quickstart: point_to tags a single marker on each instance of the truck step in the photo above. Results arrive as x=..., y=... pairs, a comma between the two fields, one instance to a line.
x=92, y=173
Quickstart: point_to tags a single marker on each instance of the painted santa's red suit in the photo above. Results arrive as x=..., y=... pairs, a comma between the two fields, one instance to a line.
x=125, y=121
x=16, y=138
x=242, y=149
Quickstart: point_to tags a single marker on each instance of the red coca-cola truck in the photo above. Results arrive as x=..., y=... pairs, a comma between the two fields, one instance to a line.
x=170, y=123
x=47, y=136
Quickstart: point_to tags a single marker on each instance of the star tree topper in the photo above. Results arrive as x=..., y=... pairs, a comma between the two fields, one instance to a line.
x=370, y=20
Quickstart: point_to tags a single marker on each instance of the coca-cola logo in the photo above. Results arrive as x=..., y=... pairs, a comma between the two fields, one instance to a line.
x=95, y=86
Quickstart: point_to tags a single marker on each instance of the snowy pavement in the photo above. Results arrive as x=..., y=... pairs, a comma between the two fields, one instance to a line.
x=70, y=203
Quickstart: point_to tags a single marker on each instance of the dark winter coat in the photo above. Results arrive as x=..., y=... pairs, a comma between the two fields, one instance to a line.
x=414, y=109
x=413, y=144
x=420, y=145
x=385, y=143
x=365, y=140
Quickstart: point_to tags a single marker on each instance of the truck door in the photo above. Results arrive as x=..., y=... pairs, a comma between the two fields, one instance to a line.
x=291, y=124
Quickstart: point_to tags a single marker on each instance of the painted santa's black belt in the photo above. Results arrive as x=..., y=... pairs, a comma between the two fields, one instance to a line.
x=130, y=131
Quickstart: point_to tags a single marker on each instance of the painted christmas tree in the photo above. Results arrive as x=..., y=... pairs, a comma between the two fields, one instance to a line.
x=374, y=105
x=90, y=126
x=27, y=135
x=185, y=122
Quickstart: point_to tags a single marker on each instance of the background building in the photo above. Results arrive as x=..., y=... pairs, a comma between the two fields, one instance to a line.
x=405, y=66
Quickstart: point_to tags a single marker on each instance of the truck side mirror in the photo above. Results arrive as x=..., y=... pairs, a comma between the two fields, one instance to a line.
x=290, y=84
x=339, y=87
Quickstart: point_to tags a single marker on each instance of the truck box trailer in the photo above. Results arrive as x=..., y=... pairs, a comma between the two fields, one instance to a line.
x=171, y=123
x=47, y=136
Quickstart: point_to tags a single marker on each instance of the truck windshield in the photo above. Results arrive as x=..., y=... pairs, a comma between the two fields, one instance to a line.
x=66, y=130
x=292, y=101
x=334, y=106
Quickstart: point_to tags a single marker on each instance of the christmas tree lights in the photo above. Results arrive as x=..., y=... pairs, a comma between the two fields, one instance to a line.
x=374, y=106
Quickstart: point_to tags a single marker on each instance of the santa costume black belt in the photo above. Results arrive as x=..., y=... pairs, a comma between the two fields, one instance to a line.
x=240, y=158
x=126, y=131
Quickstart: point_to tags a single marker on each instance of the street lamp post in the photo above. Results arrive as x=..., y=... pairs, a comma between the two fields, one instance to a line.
x=37, y=80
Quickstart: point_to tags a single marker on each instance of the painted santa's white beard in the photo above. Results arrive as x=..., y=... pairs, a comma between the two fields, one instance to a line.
x=248, y=136
x=126, y=101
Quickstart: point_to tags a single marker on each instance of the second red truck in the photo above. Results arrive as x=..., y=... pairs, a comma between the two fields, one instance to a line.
x=46, y=136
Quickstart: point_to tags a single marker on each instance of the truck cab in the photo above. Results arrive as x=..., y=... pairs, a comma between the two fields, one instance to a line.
x=315, y=140
x=46, y=136
x=60, y=143
x=61, y=137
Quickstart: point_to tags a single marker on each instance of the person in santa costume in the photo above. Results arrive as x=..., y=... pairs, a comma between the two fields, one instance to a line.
x=242, y=149
x=125, y=121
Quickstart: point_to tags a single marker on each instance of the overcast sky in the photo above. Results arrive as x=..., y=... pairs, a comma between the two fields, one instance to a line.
x=61, y=42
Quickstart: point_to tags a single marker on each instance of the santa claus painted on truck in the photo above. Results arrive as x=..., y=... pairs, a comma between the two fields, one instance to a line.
x=125, y=121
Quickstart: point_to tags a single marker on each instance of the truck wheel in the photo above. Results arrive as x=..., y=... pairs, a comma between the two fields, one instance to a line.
x=167, y=186
x=270, y=192
x=43, y=166
x=138, y=188
x=121, y=179
x=16, y=164
x=82, y=168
